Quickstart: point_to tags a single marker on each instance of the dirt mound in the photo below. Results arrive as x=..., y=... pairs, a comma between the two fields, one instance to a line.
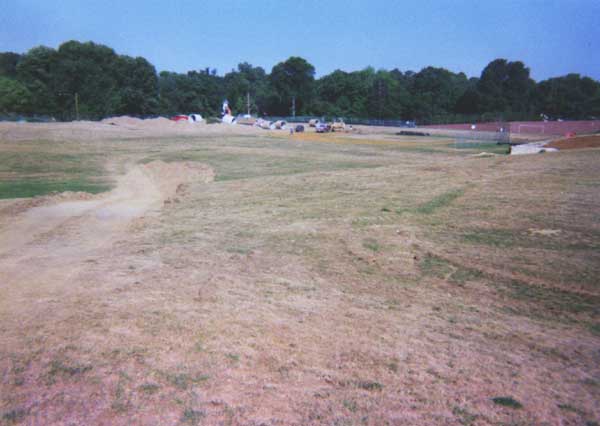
x=124, y=120
x=576, y=143
x=158, y=121
x=158, y=124
x=149, y=123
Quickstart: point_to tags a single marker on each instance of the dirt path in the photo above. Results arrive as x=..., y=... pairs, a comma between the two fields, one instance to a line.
x=47, y=244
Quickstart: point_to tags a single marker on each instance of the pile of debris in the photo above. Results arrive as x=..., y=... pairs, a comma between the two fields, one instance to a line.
x=270, y=125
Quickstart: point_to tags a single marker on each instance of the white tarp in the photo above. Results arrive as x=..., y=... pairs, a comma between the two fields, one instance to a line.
x=531, y=148
x=228, y=119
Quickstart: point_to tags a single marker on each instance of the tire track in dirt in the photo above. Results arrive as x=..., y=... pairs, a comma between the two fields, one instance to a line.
x=44, y=247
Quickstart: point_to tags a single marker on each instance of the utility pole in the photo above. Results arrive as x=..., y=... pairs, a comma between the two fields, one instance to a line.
x=380, y=96
x=248, y=101
x=294, y=106
x=77, y=106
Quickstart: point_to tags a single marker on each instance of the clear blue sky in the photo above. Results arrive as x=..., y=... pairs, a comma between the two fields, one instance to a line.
x=552, y=37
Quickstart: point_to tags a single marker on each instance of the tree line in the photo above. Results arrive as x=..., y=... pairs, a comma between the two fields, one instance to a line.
x=92, y=81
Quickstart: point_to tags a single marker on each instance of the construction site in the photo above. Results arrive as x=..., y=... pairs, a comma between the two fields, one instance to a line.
x=174, y=272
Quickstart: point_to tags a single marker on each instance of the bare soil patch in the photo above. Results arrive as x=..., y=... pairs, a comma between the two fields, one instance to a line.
x=578, y=142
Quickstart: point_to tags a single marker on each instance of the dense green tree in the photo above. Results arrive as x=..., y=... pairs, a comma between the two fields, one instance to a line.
x=88, y=72
x=8, y=64
x=247, y=81
x=48, y=81
x=435, y=92
x=14, y=96
x=137, y=86
x=571, y=96
x=194, y=92
x=470, y=101
x=505, y=87
x=344, y=94
x=103, y=82
x=37, y=70
x=293, y=78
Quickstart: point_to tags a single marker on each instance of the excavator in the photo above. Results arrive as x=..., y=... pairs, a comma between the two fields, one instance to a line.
x=227, y=117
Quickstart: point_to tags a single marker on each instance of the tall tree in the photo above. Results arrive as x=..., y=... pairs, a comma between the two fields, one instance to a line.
x=196, y=91
x=137, y=86
x=570, y=96
x=8, y=64
x=47, y=81
x=505, y=87
x=14, y=96
x=292, y=79
x=343, y=94
x=247, y=80
x=470, y=101
x=435, y=92
x=37, y=70
x=86, y=71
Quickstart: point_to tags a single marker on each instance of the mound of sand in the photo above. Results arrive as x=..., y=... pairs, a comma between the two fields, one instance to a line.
x=137, y=123
x=124, y=120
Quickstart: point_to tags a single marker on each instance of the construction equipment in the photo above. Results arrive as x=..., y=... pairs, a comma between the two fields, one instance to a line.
x=226, y=113
x=338, y=126
x=323, y=127
x=278, y=125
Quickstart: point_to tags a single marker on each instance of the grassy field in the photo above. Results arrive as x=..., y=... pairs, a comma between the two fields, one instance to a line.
x=320, y=279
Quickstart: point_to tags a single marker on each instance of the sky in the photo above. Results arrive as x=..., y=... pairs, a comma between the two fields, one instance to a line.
x=552, y=37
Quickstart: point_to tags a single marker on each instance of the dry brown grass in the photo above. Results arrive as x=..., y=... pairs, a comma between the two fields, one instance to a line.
x=319, y=280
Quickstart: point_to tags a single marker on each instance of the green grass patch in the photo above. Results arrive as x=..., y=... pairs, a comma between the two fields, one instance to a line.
x=433, y=265
x=39, y=162
x=595, y=328
x=540, y=301
x=233, y=357
x=435, y=204
x=462, y=275
x=350, y=405
x=507, y=401
x=14, y=416
x=192, y=417
x=149, y=388
x=482, y=146
x=419, y=147
x=34, y=187
x=39, y=173
x=369, y=385
x=65, y=369
x=464, y=416
x=502, y=238
x=234, y=166
x=371, y=244
x=569, y=407
x=183, y=380
x=393, y=366
x=550, y=301
x=439, y=202
x=507, y=238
